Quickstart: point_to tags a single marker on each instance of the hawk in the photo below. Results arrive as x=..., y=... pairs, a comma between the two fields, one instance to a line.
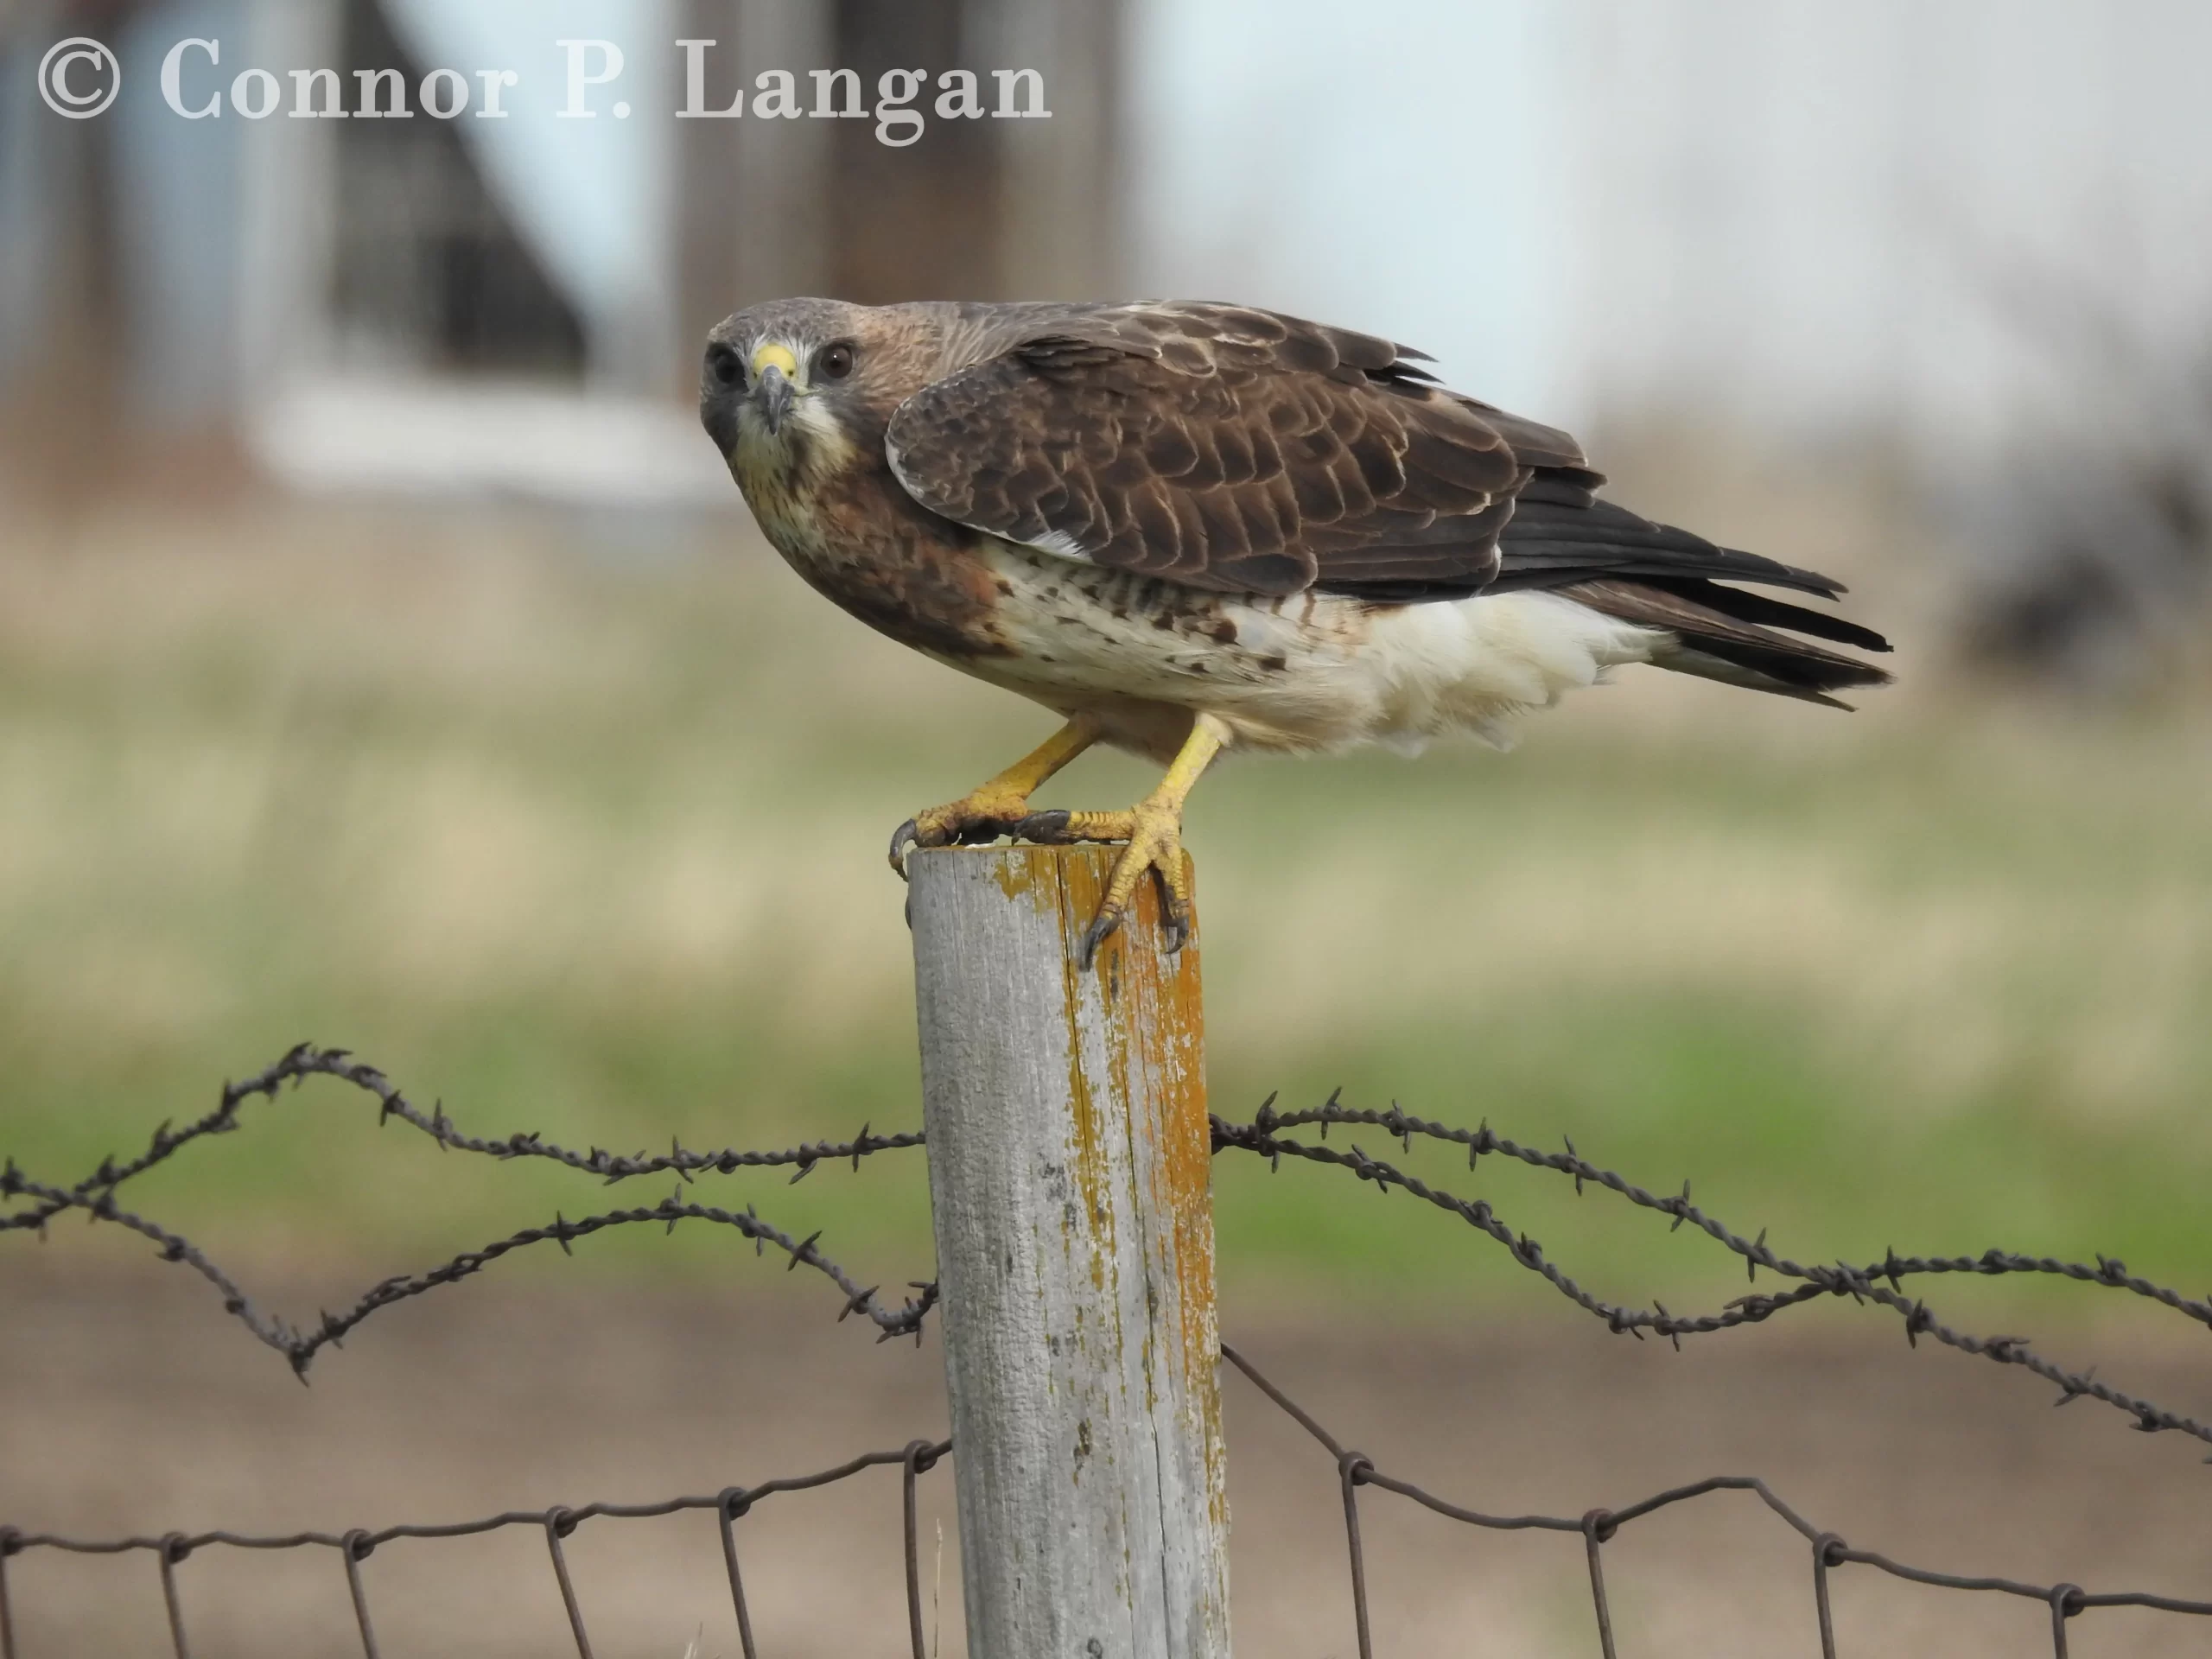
x=1191, y=527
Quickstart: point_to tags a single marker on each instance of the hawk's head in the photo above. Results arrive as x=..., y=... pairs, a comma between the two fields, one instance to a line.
x=795, y=390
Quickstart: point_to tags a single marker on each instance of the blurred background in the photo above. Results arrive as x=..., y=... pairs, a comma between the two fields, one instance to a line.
x=386, y=660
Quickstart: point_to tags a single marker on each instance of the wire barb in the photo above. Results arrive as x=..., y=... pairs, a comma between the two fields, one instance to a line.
x=1880, y=1284
x=1862, y=1284
x=95, y=1195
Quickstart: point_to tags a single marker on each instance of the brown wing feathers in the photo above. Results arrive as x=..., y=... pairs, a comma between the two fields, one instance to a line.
x=1245, y=452
x=1223, y=448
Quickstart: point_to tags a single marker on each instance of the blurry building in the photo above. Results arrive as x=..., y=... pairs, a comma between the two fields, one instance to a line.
x=1725, y=227
x=466, y=304
x=1801, y=218
x=1920, y=249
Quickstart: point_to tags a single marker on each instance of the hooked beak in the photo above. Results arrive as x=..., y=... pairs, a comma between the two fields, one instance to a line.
x=774, y=395
x=772, y=391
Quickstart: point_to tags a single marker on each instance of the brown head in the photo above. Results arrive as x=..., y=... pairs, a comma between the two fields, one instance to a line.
x=794, y=390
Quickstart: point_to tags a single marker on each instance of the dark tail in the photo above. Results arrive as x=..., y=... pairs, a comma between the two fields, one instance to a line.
x=1562, y=538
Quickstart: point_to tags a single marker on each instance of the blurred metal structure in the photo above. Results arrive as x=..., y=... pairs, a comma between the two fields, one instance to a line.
x=424, y=265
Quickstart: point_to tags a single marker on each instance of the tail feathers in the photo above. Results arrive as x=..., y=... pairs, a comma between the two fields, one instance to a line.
x=1719, y=635
x=1560, y=531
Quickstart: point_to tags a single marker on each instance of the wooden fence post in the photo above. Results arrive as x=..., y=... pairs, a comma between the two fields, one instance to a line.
x=1070, y=1188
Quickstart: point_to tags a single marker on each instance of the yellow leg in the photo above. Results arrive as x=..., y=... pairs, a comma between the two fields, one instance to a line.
x=992, y=808
x=1154, y=830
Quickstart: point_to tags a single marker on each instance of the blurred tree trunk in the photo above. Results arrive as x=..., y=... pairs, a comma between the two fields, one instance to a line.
x=924, y=222
x=983, y=209
x=62, y=413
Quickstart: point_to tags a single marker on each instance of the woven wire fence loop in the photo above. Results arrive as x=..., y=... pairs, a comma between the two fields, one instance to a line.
x=910, y=1471
x=558, y=1523
x=173, y=1548
x=2065, y=1602
x=1827, y=1545
x=353, y=1548
x=1597, y=1527
x=1351, y=1468
x=730, y=1503
x=8, y=1546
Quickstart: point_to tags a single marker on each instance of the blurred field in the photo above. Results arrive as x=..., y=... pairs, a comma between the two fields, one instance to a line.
x=578, y=826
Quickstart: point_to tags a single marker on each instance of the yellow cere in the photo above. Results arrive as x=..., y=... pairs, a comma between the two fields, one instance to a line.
x=780, y=357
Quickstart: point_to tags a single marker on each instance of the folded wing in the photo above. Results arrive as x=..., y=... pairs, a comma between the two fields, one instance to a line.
x=1246, y=452
x=1221, y=447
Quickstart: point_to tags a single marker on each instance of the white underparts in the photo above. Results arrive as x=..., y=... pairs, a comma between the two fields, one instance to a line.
x=1309, y=672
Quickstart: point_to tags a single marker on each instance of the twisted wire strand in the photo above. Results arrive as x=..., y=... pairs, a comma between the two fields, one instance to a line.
x=95, y=1195
x=1879, y=1283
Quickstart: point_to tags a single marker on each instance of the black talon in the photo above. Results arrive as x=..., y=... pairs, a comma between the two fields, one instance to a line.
x=1174, y=917
x=1101, y=928
x=906, y=832
x=1046, y=829
x=1175, y=928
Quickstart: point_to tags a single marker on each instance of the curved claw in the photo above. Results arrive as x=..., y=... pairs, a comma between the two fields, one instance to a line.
x=1174, y=923
x=1101, y=928
x=1174, y=920
x=905, y=835
x=1155, y=846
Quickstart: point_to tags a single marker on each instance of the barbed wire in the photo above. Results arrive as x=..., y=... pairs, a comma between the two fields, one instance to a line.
x=1880, y=1283
x=1877, y=1282
x=95, y=1195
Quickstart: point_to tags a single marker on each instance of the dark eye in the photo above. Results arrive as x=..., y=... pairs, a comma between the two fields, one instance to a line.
x=722, y=362
x=835, y=361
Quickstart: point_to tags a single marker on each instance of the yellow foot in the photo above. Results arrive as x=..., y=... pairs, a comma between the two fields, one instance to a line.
x=1153, y=831
x=984, y=814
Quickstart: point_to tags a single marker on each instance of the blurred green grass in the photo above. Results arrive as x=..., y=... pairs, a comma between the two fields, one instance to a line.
x=588, y=842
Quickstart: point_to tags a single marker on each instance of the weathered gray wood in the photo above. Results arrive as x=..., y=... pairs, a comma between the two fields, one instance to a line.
x=1070, y=1188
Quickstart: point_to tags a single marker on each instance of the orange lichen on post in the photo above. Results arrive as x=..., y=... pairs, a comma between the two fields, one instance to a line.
x=1070, y=1186
x=1154, y=1026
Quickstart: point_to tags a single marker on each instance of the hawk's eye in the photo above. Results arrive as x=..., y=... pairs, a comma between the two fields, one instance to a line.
x=836, y=361
x=722, y=362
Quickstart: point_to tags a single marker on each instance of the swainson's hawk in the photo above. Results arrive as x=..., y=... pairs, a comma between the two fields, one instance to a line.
x=1191, y=527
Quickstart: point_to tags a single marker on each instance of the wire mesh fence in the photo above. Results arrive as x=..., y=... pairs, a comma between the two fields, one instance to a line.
x=355, y=1545
x=1270, y=1134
